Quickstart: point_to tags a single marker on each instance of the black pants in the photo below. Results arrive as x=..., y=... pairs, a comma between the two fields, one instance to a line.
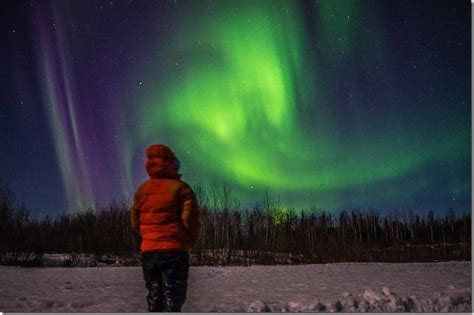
x=166, y=277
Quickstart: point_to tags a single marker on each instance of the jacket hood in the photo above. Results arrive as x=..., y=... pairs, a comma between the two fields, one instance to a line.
x=161, y=162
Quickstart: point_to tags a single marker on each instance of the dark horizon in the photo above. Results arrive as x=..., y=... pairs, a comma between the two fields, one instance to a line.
x=268, y=204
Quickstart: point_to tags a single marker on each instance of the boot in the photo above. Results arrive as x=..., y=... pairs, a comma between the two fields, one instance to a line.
x=154, y=299
x=174, y=295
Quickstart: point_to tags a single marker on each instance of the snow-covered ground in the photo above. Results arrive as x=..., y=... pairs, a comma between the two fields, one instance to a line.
x=344, y=287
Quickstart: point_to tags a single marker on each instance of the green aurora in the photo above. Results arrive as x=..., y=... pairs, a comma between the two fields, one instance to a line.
x=247, y=102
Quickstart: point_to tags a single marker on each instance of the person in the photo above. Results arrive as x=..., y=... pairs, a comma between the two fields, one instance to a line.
x=166, y=214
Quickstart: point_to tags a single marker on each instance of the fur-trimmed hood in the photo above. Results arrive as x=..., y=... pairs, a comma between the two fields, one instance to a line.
x=161, y=162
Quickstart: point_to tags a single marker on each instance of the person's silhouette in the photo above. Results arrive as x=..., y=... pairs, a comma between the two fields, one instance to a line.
x=166, y=214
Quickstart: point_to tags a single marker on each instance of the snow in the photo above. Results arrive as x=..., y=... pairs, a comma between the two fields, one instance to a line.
x=346, y=287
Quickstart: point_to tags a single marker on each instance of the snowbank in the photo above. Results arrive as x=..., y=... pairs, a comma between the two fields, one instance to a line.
x=371, y=301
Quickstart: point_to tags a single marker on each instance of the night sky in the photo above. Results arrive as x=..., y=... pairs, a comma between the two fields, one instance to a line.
x=332, y=104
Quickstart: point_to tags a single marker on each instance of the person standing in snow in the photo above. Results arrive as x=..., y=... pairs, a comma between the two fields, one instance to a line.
x=165, y=212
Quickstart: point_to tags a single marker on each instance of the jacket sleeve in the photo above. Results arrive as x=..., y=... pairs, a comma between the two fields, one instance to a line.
x=135, y=214
x=191, y=214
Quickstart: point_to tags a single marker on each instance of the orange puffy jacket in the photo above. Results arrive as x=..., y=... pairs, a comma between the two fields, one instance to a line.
x=165, y=210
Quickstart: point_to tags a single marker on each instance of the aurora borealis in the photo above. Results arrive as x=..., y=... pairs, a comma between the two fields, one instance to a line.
x=328, y=104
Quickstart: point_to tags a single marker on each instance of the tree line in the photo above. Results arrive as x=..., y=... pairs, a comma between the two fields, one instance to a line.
x=268, y=227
